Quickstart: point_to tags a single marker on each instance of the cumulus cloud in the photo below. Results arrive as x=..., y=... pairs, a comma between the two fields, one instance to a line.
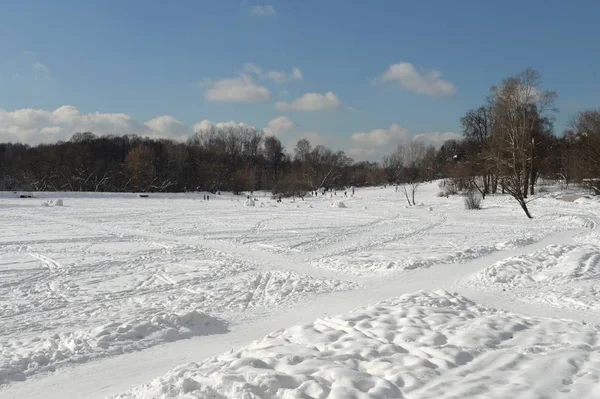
x=236, y=90
x=437, y=139
x=279, y=125
x=425, y=82
x=168, y=125
x=265, y=10
x=206, y=124
x=276, y=76
x=381, y=137
x=34, y=126
x=375, y=144
x=311, y=102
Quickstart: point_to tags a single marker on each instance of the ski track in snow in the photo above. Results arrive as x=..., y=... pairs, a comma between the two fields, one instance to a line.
x=138, y=272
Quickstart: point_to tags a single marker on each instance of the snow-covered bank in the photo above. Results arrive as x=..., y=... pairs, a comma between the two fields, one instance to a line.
x=423, y=345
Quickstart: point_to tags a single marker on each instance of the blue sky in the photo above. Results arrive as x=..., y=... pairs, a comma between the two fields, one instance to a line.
x=188, y=60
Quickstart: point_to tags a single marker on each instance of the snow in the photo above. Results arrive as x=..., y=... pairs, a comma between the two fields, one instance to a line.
x=422, y=345
x=26, y=357
x=56, y=202
x=91, y=291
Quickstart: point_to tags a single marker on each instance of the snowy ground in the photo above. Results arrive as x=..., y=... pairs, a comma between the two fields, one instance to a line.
x=94, y=288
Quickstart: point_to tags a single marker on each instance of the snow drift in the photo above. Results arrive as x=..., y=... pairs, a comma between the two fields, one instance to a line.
x=19, y=359
x=57, y=202
x=338, y=204
x=422, y=345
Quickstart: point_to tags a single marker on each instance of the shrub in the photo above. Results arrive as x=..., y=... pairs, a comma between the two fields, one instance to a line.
x=472, y=200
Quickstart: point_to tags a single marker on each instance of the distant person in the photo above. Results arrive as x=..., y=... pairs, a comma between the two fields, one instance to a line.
x=345, y=193
x=204, y=197
x=207, y=197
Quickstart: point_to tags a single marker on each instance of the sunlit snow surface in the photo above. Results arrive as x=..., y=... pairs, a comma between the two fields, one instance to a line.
x=113, y=276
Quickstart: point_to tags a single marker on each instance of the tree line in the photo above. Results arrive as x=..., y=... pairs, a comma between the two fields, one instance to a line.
x=508, y=143
x=229, y=158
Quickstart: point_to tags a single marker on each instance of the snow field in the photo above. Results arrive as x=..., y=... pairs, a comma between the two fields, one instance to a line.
x=422, y=345
x=107, y=276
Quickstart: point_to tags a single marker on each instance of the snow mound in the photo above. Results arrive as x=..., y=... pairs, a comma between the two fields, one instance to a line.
x=430, y=208
x=310, y=206
x=338, y=204
x=22, y=358
x=249, y=202
x=57, y=202
x=559, y=275
x=424, y=345
x=364, y=207
x=262, y=205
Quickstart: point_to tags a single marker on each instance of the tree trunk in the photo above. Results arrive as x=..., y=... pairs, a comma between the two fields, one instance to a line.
x=525, y=187
x=533, y=171
x=486, y=186
x=407, y=199
x=413, y=196
x=525, y=209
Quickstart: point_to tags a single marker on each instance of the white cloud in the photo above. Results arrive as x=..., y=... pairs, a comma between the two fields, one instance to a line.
x=38, y=66
x=436, y=139
x=263, y=10
x=236, y=90
x=315, y=138
x=276, y=76
x=426, y=82
x=167, y=126
x=278, y=126
x=297, y=73
x=311, y=102
x=51, y=130
x=377, y=143
x=206, y=124
x=361, y=154
x=34, y=126
x=253, y=69
x=381, y=137
x=41, y=71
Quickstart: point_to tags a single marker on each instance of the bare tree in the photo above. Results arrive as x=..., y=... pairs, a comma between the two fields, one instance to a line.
x=517, y=105
x=583, y=136
x=405, y=168
x=139, y=163
x=477, y=128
